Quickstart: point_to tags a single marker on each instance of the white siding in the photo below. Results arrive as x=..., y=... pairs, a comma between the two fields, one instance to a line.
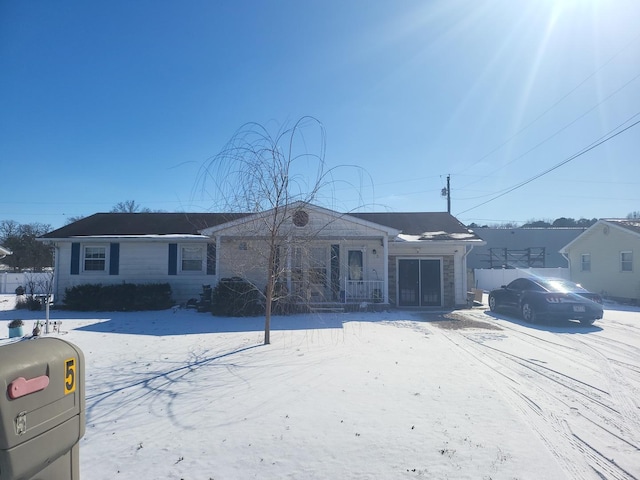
x=140, y=262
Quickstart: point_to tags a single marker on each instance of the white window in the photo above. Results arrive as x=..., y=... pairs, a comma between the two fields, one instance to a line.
x=585, y=262
x=192, y=258
x=626, y=261
x=95, y=258
x=355, y=264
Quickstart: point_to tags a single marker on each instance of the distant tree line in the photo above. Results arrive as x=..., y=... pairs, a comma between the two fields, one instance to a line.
x=28, y=253
x=557, y=223
x=128, y=206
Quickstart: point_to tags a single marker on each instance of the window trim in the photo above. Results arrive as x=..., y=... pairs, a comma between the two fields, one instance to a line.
x=629, y=261
x=202, y=248
x=584, y=264
x=83, y=259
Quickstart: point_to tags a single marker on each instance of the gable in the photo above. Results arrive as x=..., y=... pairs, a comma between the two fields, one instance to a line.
x=301, y=219
x=606, y=231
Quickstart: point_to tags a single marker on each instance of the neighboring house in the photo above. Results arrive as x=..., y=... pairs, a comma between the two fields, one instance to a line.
x=405, y=259
x=605, y=257
x=522, y=247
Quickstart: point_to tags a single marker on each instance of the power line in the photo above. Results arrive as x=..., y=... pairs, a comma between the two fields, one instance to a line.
x=557, y=132
x=560, y=100
x=604, y=139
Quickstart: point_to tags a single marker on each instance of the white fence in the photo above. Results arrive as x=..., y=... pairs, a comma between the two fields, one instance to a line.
x=358, y=291
x=488, y=279
x=37, y=283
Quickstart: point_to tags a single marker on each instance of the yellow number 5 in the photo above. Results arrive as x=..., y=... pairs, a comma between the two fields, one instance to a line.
x=69, y=376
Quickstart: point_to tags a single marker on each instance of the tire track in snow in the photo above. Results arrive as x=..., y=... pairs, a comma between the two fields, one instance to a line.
x=612, y=408
x=620, y=389
x=577, y=457
x=630, y=352
x=532, y=413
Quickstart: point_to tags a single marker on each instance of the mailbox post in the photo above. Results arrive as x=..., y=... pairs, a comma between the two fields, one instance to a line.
x=42, y=409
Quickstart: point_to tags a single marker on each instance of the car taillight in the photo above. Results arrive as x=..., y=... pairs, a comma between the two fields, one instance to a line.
x=594, y=298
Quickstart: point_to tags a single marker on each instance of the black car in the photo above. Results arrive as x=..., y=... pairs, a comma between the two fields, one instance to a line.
x=547, y=298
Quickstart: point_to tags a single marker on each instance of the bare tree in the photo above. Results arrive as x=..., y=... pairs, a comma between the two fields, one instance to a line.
x=129, y=206
x=272, y=177
x=38, y=284
x=73, y=219
x=21, y=240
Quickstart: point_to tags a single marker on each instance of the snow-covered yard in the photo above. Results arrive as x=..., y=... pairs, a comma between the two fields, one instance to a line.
x=392, y=395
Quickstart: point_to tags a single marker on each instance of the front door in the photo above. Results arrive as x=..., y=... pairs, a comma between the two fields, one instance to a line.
x=419, y=283
x=408, y=283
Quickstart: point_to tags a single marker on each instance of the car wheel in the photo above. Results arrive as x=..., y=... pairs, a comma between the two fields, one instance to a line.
x=528, y=313
x=587, y=321
x=493, y=305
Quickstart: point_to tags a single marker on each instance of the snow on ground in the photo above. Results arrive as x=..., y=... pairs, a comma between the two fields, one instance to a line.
x=392, y=395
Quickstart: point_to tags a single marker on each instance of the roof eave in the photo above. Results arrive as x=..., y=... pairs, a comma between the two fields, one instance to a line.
x=135, y=238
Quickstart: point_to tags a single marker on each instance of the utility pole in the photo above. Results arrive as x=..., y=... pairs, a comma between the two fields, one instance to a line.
x=447, y=192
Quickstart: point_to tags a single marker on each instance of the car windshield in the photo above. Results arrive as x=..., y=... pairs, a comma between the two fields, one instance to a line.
x=563, y=286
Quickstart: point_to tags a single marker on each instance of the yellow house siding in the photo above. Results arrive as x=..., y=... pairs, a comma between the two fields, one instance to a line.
x=605, y=242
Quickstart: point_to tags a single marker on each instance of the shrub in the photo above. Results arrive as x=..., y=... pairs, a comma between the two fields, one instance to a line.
x=17, y=323
x=235, y=297
x=118, y=297
x=29, y=302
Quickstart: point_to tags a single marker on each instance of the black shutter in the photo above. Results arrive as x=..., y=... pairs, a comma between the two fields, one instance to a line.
x=335, y=271
x=211, y=258
x=75, y=258
x=173, y=259
x=114, y=259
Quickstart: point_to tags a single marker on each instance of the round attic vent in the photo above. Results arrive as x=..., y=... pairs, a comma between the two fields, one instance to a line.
x=300, y=218
x=605, y=229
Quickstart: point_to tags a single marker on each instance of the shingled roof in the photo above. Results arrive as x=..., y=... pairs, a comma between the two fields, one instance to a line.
x=422, y=225
x=633, y=225
x=142, y=224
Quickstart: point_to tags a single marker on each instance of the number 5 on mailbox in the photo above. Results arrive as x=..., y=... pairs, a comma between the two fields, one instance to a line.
x=69, y=376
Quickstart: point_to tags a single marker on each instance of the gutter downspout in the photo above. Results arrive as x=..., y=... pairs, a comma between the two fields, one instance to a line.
x=56, y=273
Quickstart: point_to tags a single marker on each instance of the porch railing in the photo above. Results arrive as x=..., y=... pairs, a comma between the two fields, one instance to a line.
x=363, y=291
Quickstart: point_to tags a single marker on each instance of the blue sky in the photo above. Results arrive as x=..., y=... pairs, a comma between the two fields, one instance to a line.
x=102, y=102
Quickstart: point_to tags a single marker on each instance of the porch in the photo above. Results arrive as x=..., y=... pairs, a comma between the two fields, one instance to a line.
x=358, y=291
x=354, y=296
